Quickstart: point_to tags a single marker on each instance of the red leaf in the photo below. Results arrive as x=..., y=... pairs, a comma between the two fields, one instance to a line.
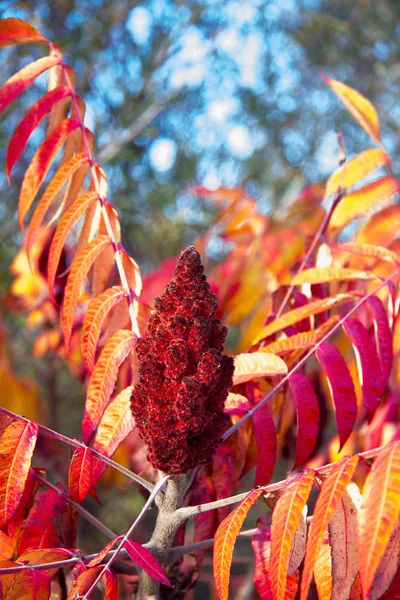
x=111, y=585
x=331, y=493
x=71, y=216
x=384, y=338
x=31, y=584
x=307, y=417
x=285, y=521
x=79, y=270
x=16, y=448
x=265, y=434
x=261, y=545
x=146, y=561
x=97, y=312
x=17, y=31
x=115, y=424
x=370, y=375
x=379, y=512
x=40, y=165
x=342, y=389
x=42, y=557
x=39, y=529
x=84, y=582
x=63, y=174
x=24, y=78
x=103, y=553
x=80, y=474
x=102, y=381
x=28, y=124
x=225, y=538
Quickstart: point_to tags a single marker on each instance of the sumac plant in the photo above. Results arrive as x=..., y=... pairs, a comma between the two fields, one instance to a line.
x=291, y=418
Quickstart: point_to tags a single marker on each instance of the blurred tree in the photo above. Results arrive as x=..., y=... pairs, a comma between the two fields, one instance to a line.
x=213, y=93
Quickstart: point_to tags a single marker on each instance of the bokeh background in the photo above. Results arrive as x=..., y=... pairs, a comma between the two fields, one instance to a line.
x=188, y=92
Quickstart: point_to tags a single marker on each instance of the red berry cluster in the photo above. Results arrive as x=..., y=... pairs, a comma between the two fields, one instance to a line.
x=178, y=403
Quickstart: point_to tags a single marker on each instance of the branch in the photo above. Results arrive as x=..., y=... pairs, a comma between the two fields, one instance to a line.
x=77, y=444
x=184, y=513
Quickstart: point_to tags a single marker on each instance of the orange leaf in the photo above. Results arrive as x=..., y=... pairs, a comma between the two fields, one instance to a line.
x=17, y=31
x=16, y=448
x=343, y=538
x=24, y=78
x=357, y=203
x=94, y=320
x=325, y=274
x=298, y=314
x=40, y=165
x=104, y=376
x=379, y=512
x=387, y=567
x=285, y=521
x=43, y=556
x=111, y=591
x=84, y=582
x=332, y=491
x=80, y=474
x=225, y=538
x=71, y=216
x=30, y=121
x=323, y=570
x=59, y=179
x=256, y=365
x=361, y=109
x=32, y=584
x=79, y=270
x=102, y=267
x=356, y=169
x=115, y=424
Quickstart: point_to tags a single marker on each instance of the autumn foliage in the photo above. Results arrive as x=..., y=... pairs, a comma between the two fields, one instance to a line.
x=308, y=380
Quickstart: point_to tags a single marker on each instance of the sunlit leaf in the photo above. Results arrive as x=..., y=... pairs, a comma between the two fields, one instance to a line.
x=332, y=491
x=102, y=381
x=41, y=163
x=343, y=539
x=18, y=31
x=256, y=365
x=285, y=521
x=30, y=121
x=18, y=83
x=236, y=404
x=356, y=169
x=115, y=424
x=378, y=252
x=225, y=538
x=342, y=389
x=298, y=314
x=79, y=270
x=60, y=178
x=326, y=274
x=98, y=310
x=359, y=202
x=387, y=567
x=71, y=216
x=16, y=448
x=361, y=109
x=379, y=512
x=307, y=417
x=42, y=557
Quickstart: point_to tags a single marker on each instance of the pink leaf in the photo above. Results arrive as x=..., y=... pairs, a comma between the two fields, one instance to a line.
x=384, y=337
x=307, y=417
x=146, y=561
x=342, y=388
x=265, y=434
x=369, y=367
